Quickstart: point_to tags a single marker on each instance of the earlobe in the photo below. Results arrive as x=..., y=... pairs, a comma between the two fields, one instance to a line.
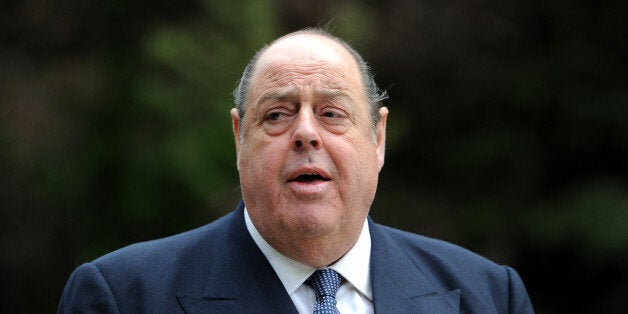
x=235, y=120
x=381, y=136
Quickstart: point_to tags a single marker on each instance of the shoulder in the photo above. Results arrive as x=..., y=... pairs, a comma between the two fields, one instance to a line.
x=434, y=250
x=168, y=249
x=448, y=266
x=146, y=276
x=174, y=261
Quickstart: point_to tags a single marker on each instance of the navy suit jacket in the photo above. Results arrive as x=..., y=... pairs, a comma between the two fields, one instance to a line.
x=218, y=268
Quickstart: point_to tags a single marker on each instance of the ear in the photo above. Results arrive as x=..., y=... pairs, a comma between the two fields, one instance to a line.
x=381, y=136
x=235, y=120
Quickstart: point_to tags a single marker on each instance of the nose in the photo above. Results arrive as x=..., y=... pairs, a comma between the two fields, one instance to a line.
x=306, y=134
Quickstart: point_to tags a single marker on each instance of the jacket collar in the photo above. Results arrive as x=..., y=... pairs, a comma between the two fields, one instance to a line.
x=248, y=284
x=245, y=282
x=399, y=285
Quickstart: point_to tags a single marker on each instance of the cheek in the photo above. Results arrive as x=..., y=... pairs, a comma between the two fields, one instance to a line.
x=354, y=162
x=362, y=150
x=262, y=160
x=359, y=167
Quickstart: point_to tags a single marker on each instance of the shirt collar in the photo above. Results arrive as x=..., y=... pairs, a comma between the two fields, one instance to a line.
x=353, y=266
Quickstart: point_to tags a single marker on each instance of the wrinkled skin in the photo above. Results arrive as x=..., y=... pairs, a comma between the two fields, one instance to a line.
x=309, y=157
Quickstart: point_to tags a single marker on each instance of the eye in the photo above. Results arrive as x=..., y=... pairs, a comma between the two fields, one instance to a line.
x=276, y=115
x=333, y=113
x=330, y=114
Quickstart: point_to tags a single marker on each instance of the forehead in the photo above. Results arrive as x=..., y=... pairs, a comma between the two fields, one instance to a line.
x=307, y=61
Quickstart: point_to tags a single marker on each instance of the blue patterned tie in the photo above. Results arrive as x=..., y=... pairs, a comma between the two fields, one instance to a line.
x=325, y=283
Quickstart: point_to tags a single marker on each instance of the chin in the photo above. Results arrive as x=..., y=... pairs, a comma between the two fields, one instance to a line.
x=312, y=224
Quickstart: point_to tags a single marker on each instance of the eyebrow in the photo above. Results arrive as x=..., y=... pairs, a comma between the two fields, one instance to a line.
x=277, y=95
x=333, y=93
x=293, y=92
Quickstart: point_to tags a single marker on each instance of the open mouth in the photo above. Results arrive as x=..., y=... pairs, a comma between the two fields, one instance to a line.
x=309, y=178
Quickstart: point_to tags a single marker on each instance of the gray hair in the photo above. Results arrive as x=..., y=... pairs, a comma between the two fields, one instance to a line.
x=374, y=95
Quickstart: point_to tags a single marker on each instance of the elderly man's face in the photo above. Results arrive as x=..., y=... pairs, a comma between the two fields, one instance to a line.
x=309, y=158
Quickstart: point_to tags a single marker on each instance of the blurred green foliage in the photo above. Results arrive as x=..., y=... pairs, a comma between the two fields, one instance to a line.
x=508, y=130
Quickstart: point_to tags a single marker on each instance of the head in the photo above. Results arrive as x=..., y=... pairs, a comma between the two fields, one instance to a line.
x=310, y=136
x=374, y=95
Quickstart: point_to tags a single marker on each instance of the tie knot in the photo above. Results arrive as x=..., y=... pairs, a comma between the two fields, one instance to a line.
x=325, y=282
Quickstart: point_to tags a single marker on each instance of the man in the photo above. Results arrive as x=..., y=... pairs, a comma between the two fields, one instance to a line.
x=310, y=134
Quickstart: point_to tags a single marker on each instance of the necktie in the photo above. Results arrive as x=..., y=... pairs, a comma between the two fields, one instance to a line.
x=325, y=283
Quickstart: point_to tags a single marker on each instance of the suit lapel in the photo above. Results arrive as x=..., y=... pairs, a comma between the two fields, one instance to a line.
x=245, y=282
x=399, y=286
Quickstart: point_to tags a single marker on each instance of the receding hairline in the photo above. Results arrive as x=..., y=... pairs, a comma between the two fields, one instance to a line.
x=333, y=42
x=311, y=32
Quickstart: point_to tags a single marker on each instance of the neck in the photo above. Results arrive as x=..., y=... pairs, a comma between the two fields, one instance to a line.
x=316, y=252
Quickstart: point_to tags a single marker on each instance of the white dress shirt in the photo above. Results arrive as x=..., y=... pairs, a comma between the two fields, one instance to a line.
x=354, y=296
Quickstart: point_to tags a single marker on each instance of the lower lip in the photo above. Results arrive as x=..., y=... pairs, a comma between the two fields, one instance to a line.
x=309, y=188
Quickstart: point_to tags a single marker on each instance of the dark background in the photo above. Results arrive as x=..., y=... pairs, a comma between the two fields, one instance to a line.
x=508, y=130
